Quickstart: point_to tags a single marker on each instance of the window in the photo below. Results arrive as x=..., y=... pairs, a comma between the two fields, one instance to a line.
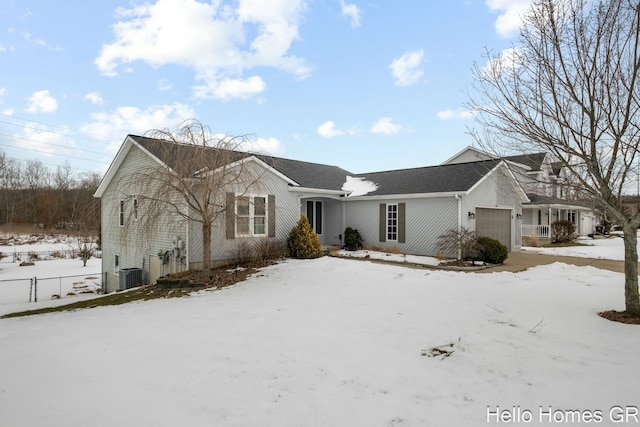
x=243, y=213
x=251, y=213
x=116, y=263
x=314, y=215
x=259, y=215
x=121, y=214
x=392, y=223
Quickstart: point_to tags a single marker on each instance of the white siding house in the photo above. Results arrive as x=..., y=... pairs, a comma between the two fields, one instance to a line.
x=545, y=184
x=407, y=210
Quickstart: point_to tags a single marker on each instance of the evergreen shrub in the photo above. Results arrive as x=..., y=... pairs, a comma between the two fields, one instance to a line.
x=303, y=241
x=352, y=239
x=491, y=250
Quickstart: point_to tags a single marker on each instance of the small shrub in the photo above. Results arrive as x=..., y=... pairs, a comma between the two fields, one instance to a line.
x=562, y=231
x=458, y=241
x=57, y=254
x=303, y=241
x=491, y=251
x=33, y=255
x=352, y=239
x=85, y=250
x=269, y=249
x=243, y=253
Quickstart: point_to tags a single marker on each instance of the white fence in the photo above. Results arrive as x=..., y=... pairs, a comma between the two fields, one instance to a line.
x=536, y=230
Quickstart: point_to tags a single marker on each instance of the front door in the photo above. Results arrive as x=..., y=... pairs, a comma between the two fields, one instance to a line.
x=314, y=214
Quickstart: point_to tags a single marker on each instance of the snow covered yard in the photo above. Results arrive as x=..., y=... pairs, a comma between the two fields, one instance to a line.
x=331, y=342
x=59, y=277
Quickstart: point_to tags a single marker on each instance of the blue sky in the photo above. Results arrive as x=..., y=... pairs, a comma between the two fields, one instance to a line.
x=365, y=85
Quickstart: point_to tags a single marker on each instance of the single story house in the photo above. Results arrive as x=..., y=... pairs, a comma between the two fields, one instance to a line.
x=405, y=210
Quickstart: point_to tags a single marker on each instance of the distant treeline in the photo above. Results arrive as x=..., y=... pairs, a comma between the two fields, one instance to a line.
x=33, y=194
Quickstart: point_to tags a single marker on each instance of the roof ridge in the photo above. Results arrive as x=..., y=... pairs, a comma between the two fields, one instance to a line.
x=432, y=166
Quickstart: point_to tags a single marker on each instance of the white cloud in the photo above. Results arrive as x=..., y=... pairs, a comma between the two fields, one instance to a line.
x=42, y=102
x=28, y=37
x=459, y=113
x=40, y=138
x=352, y=12
x=508, y=59
x=407, y=69
x=509, y=21
x=218, y=41
x=386, y=126
x=358, y=186
x=231, y=88
x=264, y=145
x=133, y=120
x=3, y=91
x=95, y=98
x=328, y=130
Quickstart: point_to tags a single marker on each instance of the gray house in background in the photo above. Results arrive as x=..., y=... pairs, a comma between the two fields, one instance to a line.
x=404, y=210
x=546, y=186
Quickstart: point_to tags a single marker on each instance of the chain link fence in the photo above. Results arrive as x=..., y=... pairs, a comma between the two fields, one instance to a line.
x=34, y=289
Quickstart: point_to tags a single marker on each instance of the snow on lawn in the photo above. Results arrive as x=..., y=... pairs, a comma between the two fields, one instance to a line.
x=609, y=248
x=63, y=278
x=331, y=342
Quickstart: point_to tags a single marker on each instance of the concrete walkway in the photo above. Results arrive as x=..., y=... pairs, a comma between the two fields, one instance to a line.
x=519, y=261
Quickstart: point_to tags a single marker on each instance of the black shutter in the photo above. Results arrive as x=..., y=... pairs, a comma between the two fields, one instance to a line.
x=383, y=222
x=271, y=216
x=230, y=216
x=401, y=222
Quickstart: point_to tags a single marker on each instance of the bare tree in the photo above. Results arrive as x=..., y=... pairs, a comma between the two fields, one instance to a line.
x=85, y=209
x=36, y=178
x=572, y=88
x=460, y=241
x=198, y=170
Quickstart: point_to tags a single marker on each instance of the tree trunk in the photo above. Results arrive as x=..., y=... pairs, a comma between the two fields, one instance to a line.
x=206, y=246
x=631, y=296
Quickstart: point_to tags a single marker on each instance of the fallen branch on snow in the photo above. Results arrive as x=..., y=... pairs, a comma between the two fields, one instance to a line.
x=441, y=351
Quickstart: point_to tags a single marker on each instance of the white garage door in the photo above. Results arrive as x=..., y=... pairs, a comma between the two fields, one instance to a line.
x=494, y=223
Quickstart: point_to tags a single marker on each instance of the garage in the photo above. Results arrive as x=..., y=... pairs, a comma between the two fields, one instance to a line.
x=494, y=223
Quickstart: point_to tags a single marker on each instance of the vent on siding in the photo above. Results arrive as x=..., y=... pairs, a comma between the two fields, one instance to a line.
x=130, y=278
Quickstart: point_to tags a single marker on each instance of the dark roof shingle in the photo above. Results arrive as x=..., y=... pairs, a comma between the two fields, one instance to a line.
x=433, y=179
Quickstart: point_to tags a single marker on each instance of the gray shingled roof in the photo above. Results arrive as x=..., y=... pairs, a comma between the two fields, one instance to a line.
x=433, y=179
x=534, y=160
x=539, y=199
x=310, y=175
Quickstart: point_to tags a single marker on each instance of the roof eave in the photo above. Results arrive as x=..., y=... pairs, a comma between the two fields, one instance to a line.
x=406, y=196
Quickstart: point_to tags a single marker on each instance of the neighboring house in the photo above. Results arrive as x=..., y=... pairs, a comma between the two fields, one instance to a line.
x=545, y=183
x=405, y=210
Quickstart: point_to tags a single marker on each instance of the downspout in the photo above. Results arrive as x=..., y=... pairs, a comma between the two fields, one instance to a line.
x=187, y=243
x=457, y=196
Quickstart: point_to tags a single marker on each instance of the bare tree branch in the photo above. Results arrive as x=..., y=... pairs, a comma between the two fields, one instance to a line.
x=571, y=89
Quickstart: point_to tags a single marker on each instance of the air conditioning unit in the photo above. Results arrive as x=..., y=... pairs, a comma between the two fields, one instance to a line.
x=130, y=278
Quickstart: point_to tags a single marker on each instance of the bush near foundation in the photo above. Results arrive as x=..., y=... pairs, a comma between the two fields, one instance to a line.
x=303, y=241
x=562, y=231
x=491, y=251
x=352, y=239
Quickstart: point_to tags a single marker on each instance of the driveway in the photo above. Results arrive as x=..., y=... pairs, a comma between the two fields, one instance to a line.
x=519, y=261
